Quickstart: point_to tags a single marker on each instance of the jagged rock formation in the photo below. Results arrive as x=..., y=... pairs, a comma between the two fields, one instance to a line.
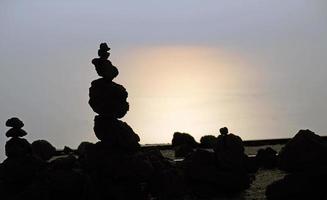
x=108, y=100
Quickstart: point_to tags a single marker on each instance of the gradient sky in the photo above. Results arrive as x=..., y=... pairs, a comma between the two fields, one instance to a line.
x=256, y=66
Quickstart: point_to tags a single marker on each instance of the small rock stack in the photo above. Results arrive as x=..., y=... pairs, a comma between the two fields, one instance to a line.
x=108, y=100
x=20, y=167
x=16, y=146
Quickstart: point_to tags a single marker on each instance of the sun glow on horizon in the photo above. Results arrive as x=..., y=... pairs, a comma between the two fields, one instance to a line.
x=186, y=88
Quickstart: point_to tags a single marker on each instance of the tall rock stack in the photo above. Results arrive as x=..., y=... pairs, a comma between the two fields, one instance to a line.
x=108, y=100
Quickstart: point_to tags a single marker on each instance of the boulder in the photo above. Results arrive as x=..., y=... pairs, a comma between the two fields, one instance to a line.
x=108, y=98
x=207, y=179
x=17, y=147
x=183, y=138
x=305, y=151
x=208, y=141
x=229, y=151
x=115, y=134
x=43, y=149
x=308, y=185
x=266, y=158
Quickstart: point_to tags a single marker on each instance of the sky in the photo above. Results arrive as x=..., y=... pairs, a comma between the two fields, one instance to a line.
x=256, y=66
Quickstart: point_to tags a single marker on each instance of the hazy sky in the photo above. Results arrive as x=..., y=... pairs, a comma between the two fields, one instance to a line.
x=256, y=66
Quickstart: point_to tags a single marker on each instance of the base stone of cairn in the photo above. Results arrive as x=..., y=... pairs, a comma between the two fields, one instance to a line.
x=108, y=100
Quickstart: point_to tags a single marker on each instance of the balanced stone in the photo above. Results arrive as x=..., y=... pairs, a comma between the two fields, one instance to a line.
x=108, y=98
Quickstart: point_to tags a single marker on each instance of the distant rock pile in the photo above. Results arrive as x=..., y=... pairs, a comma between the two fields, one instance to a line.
x=222, y=172
x=108, y=100
x=183, y=144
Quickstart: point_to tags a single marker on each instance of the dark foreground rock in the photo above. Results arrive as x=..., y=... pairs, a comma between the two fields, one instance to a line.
x=43, y=149
x=207, y=178
x=305, y=151
x=304, y=157
x=183, y=144
x=304, y=185
x=266, y=158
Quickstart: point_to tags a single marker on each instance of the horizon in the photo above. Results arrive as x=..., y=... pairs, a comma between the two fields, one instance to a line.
x=257, y=67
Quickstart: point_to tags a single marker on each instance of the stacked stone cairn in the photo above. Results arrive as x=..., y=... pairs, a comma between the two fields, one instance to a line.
x=118, y=171
x=20, y=167
x=108, y=100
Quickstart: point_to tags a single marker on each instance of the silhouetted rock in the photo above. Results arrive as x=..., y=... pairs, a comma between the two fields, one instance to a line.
x=83, y=148
x=14, y=123
x=183, y=150
x=108, y=98
x=20, y=172
x=250, y=163
x=182, y=139
x=64, y=163
x=16, y=130
x=305, y=151
x=300, y=186
x=43, y=149
x=207, y=179
x=67, y=150
x=115, y=133
x=17, y=147
x=103, y=66
x=266, y=158
x=229, y=151
x=183, y=144
x=208, y=141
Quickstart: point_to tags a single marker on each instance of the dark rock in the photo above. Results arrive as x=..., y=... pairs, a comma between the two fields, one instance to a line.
x=64, y=163
x=104, y=68
x=305, y=151
x=251, y=164
x=15, y=132
x=66, y=184
x=19, y=172
x=183, y=150
x=117, y=175
x=182, y=139
x=266, y=158
x=115, y=133
x=14, y=123
x=307, y=185
x=208, y=141
x=108, y=98
x=83, y=148
x=67, y=150
x=43, y=149
x=17, y=147
x=229, y=152
x=206, y=179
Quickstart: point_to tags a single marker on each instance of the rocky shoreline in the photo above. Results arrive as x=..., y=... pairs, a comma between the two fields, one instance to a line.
x=118, y=168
